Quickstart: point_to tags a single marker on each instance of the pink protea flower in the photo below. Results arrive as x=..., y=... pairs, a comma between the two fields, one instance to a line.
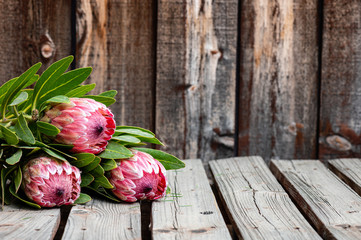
x=84, y=123
x=139, y=177
x=50, y=182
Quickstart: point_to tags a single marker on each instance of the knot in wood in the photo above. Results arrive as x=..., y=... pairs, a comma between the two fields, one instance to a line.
x=47, y=46
x=339, y=143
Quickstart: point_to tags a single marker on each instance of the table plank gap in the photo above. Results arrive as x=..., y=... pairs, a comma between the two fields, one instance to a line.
x=102, y=219
x=332, y=206
x=191, y=210
x=21, y=222
x=257, y=204
x=349, y=170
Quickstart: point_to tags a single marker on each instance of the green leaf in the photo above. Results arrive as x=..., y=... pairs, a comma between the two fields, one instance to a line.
x=110, y=93
x=151, y=140
x=26, y=106
x=104, y=193
x=115, y=150
x=86, y=179
x=3, y=177
x=17, y=180
x=43, y=145
x=31, y=204
x=17, y=85
x=92, y=165
x=103, y=181
x=83, y=198
x=83, y=159
x=98, y=171
x=48, y=80
x=59, y=99
x=53, y=154
x=23, y=131
x=6, y=86
x=107, y=101
x=81, y=90
x=15, y=158
x=47, y=128
x=61, y=146
x=167, y=160
x=135, y=131
x=108, y=164
x=9, y=136
x=66, y=82
x=23, y=96
x=126, y=139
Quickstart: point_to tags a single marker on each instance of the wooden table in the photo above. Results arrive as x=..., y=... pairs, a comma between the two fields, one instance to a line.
x=298, y=199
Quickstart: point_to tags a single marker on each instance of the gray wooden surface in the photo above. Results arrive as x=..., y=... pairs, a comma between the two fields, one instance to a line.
x=258, y=205
x=340, y=83
x=22, y=223
x=332, y=206
x=196, y=77
x=349, y=170
x=101, y=219
x=278, y=79
x=191, y=210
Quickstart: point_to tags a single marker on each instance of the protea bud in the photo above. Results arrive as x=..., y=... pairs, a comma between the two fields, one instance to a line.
x=139, y=177
x=50, y=182
x=84, y=123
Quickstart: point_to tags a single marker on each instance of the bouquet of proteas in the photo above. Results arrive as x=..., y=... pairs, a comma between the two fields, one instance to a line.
x=56, y=140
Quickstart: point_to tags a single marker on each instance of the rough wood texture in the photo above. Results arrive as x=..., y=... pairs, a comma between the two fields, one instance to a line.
x=101, y=219
x=349, y=170
x=190, y=211
x=257, y=204
x=333, y=208
x=117, y=38
x=278, y=79
x=33, y=31
x=196, y=63
x=340, y=128
x=19, y=222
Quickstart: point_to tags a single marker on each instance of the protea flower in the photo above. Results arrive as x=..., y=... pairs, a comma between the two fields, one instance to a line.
x=50, y=182
x=139, y=177
x=84, y=123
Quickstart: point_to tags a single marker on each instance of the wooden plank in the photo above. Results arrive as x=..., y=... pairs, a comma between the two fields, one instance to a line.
x=278, y=79
x=33, y=31
x=333, y=208
x=349, y=170
x=195, y=86
x=21, y=222
x=101, y=219
x=191, y=211
x=258, y=206
x=117, y=38
x=340, y=118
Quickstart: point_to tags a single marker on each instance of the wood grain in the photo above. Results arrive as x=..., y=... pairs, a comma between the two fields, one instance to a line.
x=278, y=79
x=190, y=211
x=101, y=219
x=332, y=207
x=33, y=31
x=196, y=64
x=258, y=206
x=349, y=170
x=117, y=38
x=19, y=222
x=340, y=128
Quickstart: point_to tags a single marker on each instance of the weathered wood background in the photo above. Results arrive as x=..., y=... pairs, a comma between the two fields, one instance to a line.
x=213, y=79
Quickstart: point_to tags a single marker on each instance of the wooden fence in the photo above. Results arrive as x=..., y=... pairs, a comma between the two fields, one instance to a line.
x=212, y=78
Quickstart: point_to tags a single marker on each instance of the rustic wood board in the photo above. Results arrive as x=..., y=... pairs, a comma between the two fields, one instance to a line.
x=19, y=222
x=101, y=219
x=117, y=38
x=196, y=77
x=190, y=211
x=349, y=170
x=328, y=202
x=278, y=86
x=258, y=206
x=31, y=32
x=340, y=128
